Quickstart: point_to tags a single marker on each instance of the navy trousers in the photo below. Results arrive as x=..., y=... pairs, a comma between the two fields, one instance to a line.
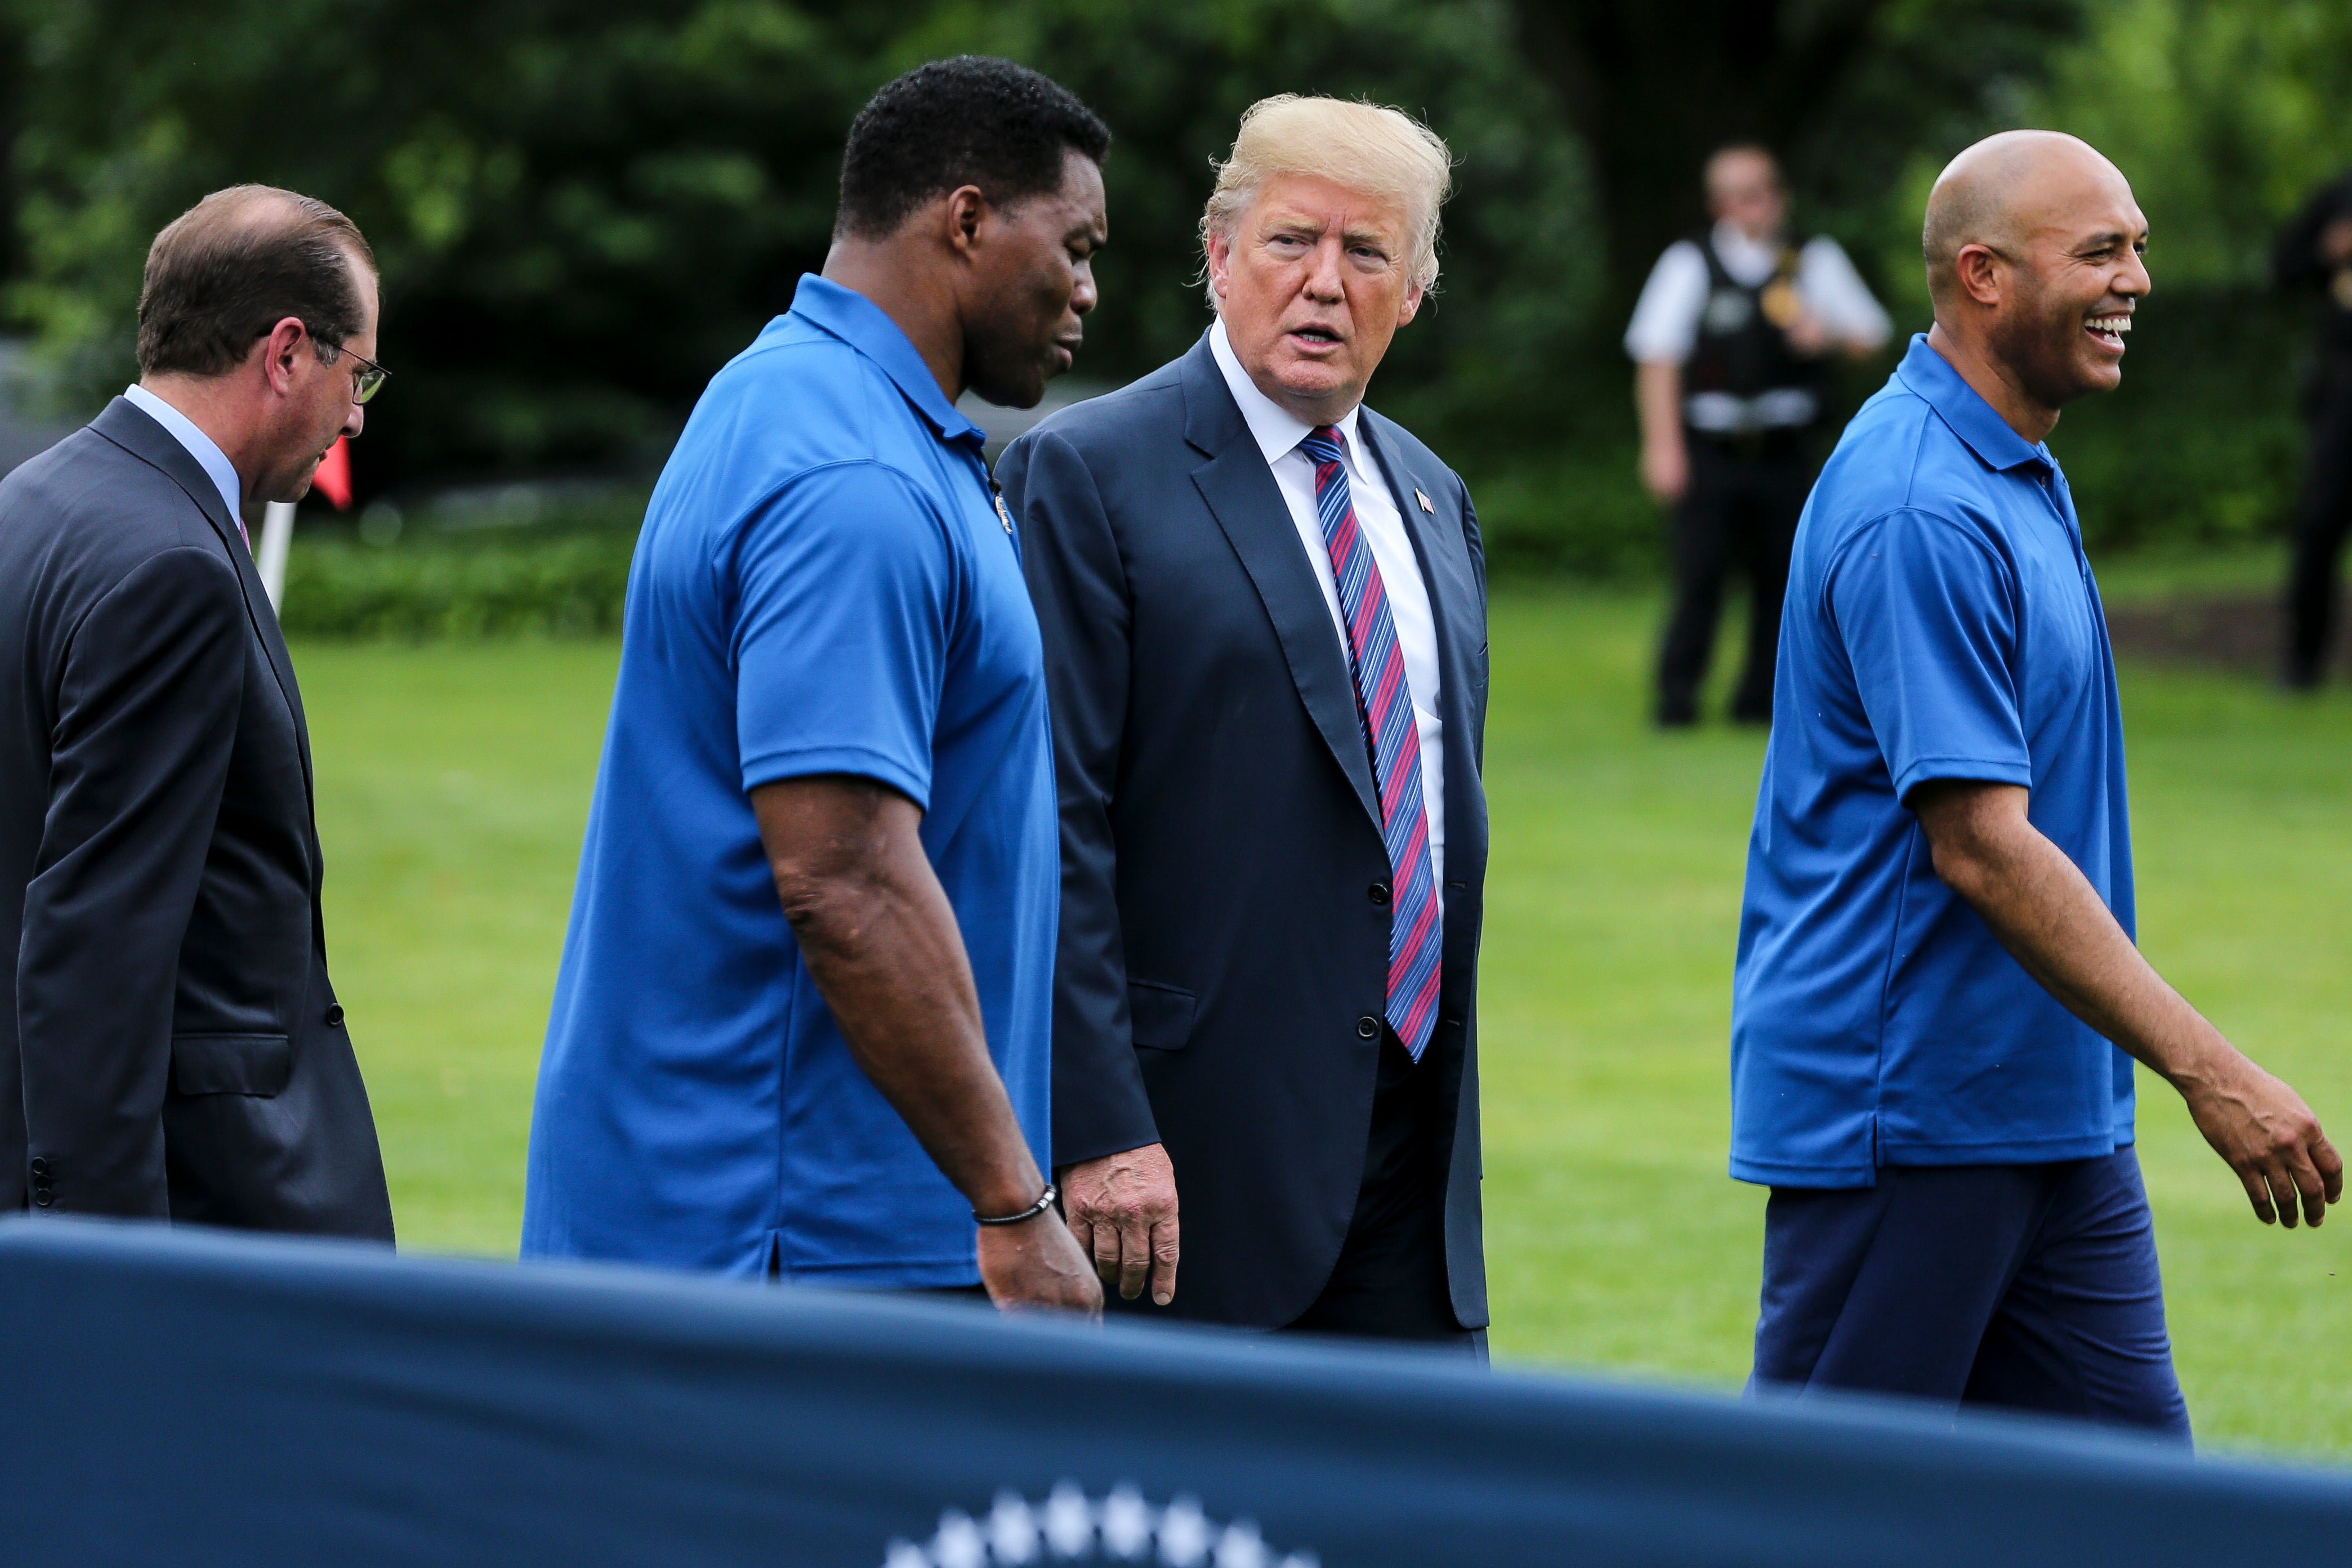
x=1389, y=1281
x=2029, y=1287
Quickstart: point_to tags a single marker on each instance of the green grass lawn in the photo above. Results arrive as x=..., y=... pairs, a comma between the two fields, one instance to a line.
x=454, y=780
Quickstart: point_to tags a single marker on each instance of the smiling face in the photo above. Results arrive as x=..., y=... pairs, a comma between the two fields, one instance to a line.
x=2073, y=283
x=1312, y=283
x=1033, y=283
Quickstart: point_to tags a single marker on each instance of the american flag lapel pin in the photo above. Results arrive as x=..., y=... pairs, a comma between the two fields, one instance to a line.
x=1424, y=502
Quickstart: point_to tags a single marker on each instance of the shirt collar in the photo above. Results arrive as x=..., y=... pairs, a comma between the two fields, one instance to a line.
x=201, y=447
x=1741, y=254
x=1964, y=409
x=1275, y=428
x=867, y=327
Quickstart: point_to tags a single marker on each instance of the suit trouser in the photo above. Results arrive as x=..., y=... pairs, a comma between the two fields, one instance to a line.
x=1390, y=1281
x=2322, y=520
x=2030, y=1287
x=1739, y=510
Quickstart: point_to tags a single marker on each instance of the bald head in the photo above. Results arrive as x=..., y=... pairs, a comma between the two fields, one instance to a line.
x=2005, y=190
x=2033, y=248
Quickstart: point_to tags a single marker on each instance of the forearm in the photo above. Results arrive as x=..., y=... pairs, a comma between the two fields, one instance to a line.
x=2046, y=912
x=1658, y=403
x=881, y=943
x=890, y=964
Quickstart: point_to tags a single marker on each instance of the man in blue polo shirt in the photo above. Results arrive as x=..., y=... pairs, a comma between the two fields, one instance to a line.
x=802, y=1024
x=1936, y=947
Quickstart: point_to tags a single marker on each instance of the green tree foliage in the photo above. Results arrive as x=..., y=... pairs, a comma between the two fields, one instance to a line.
x=1844, y=88
x=582, y=207
x=2225, y=114
x=1522, y=251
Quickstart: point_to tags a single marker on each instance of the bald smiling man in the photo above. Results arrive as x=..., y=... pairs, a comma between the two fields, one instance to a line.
x=1937, y=967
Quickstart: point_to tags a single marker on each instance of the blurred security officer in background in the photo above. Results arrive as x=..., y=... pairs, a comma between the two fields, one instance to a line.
x=2316, y=250
x=1730, y=339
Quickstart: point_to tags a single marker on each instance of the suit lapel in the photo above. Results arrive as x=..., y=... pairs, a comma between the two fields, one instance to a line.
x=124, y=423
x=1243, y=496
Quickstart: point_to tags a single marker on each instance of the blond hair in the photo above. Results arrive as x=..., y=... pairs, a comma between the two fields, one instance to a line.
x=1363, y=146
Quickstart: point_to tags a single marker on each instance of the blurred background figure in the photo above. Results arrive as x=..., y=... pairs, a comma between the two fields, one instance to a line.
x=1731, y=338
x=2316, y=250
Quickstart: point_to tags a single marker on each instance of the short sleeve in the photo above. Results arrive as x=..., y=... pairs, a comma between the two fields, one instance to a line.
x=1838, y=295
x=844, y=598
x=1928, y=614
x=1665, y=327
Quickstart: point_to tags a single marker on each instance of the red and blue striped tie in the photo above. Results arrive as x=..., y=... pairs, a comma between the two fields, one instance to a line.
x=1385, y=705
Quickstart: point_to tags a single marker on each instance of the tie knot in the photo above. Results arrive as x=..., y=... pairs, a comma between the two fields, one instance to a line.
x=1323, y=443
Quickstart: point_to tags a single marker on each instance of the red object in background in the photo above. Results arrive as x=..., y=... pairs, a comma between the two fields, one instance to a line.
x=333, y=477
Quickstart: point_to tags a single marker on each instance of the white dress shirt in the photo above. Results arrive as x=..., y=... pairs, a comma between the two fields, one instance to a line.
x=1278, y=432
x=1665, y=320
x=201, y=447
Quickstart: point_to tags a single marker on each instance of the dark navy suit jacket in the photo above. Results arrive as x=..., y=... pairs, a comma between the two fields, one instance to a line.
x=1222, y=955
x=169, y=1046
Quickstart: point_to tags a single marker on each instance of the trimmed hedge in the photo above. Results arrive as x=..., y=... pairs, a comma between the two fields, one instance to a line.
x=564, y=585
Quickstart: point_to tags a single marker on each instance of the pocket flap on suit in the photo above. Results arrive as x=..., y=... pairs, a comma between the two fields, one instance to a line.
x=1162, y=1015
x=231, y=1063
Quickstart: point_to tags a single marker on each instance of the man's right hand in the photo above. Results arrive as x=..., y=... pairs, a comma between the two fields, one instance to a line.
x=1036, y=1266
x=1122, y=1211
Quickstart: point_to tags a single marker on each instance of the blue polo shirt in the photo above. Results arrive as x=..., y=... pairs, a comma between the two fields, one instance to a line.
x=823, y=585
x=1941, y=622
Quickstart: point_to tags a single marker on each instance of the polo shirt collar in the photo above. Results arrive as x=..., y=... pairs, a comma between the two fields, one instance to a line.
x=1964, y=409
x=867, y=327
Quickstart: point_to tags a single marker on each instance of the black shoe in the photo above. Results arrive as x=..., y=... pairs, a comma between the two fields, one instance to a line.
x=1677, y=713
x=1758, y=715
x=2296, y=678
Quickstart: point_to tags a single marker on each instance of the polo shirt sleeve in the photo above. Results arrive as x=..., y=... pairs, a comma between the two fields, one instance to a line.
x=1926, y=610
x=845, y=587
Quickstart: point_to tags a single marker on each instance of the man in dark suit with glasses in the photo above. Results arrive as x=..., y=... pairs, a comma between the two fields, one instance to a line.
x=170, y=1046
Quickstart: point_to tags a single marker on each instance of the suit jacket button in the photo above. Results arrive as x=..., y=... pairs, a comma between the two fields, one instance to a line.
x=334, y=1014
x=1368, y=1028
x=41, y=1167
x=1379, y=894
x=43, y=1198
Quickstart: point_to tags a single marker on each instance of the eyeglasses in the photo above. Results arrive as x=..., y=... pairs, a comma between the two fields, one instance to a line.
x=366, y=382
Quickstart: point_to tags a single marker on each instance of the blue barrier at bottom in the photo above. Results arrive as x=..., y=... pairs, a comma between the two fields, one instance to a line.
x=200, y=1398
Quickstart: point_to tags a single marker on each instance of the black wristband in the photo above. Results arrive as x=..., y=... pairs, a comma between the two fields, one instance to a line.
x=1045, y=1201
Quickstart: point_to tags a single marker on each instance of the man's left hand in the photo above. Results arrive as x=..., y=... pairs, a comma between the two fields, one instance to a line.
x=1122, y=1209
